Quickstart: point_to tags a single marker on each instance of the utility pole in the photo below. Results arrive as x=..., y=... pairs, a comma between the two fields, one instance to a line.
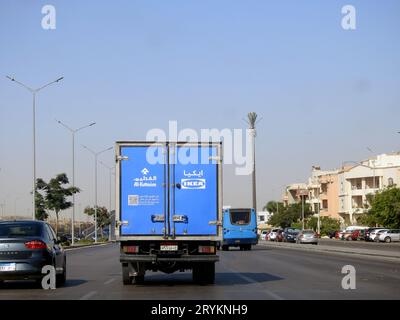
x=302, y=212
x=73, y=131
x=34, y=92
x=96, y=154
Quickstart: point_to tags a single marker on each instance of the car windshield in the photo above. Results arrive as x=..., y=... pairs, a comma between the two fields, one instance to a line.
x=13, y=230
x=308, y=232
x=240, y=217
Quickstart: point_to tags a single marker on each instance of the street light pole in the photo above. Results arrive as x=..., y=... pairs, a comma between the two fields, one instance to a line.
x=110, y=195
x=73, y=131
x=34, y=92
x=96, y=154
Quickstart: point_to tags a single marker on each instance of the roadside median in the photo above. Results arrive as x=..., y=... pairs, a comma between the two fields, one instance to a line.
x=381, y=253
x=87, y=245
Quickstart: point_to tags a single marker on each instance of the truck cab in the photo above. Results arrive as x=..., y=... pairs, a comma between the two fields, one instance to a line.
x=239, y=228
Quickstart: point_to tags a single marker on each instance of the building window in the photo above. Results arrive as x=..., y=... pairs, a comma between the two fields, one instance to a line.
x=262, y=218
x=325, y=204
x=390, y=182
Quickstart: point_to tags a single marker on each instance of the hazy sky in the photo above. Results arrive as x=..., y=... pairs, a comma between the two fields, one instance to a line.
x=324, y=93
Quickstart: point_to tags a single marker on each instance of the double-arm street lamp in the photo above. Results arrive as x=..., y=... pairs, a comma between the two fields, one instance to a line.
x=34, y=92
x=110, y=172
x=96, y=154
x=73, y=131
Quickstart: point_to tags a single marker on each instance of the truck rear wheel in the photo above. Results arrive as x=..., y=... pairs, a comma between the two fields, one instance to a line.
x=225, y=248
x=126, y=279
x=204, y=273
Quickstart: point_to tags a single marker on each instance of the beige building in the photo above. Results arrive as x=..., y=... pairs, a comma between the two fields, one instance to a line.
x=323, y=193
x=295, y=193
x=343, y=194
x=361, y=179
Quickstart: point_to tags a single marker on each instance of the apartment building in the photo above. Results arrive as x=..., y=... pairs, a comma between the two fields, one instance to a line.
x=343, y=194
x=367, y=177
x=323, y=193
x=295, y=193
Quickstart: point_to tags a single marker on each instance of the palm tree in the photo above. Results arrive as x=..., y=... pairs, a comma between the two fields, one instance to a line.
x=252, y=118
x=56, y=195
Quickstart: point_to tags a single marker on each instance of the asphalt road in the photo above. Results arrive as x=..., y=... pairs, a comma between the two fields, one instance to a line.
x=263, y=273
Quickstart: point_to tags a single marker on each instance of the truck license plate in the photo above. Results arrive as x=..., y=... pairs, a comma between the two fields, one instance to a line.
x=7, y=267
x=169, y=247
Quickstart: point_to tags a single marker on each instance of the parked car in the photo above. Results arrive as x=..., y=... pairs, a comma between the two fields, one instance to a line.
x=332, y=234
x=291, y=235
x=353, y=235
x=279, y=236
x=368, y=233
x=374, y=235
x=389, y=235
x=263, y=234
x=273, y=234
x=307, y=236
x=26, y=247
x=340, y=234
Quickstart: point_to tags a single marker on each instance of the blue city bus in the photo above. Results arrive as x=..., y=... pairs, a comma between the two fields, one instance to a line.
x=239, y=228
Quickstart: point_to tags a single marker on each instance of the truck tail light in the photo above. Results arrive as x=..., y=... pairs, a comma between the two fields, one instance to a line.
x=35, y=244
x=206, y=249
x=130, y=249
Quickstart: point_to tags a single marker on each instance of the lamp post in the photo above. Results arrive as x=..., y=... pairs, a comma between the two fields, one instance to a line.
x=73, y=131
x=34, y=92
x=110, y=169
x=96, y=154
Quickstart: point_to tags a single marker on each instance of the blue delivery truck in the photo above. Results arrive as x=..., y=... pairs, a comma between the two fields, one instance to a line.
x=239, y=228
x=168, y=208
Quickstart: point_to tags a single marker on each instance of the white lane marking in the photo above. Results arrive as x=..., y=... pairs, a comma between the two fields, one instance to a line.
x=88, y=295
x=109, y=281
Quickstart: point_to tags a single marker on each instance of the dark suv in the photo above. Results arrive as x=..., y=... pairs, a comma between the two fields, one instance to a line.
x=26, y=247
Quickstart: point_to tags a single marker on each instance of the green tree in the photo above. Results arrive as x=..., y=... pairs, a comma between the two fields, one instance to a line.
x=289, y=215
x=327, y=224
x=103, y=216
x=56, y=194
x=385, y=209
x=41, y=213
x=273, y=206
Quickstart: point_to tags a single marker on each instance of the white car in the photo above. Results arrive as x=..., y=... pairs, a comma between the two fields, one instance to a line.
x=273, y=234
x=390, y=235
x=263, y=235
x=374, y=233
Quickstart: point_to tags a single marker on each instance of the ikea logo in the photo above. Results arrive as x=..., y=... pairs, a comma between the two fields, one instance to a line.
x=193, y=183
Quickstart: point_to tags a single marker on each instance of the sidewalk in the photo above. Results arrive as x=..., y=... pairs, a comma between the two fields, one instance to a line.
x=336, y=249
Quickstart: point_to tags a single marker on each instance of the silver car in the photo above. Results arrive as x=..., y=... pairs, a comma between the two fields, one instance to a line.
x=307, y=236
x=390, y=235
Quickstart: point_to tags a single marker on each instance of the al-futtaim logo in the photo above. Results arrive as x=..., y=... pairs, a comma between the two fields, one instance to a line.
x=146, y=180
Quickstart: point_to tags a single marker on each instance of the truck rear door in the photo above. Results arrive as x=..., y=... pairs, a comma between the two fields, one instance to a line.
x=142, y=190
x=194, y=195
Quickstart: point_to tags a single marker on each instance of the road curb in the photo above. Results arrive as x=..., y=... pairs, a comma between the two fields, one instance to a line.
x=87, y=246
x=319, y=248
